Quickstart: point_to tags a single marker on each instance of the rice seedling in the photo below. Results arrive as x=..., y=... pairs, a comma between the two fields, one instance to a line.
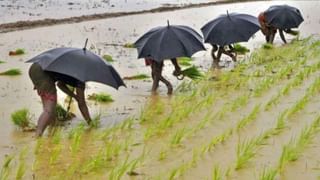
x=54, y=155
x=6, y=167
x=216, y=173
x=239, y=102
x=268, y=174
x=100, y=97
x=238, y=48
x=184, y=61
x=62, y=114
x=136, y=77
x=251, y=117
x=76, y=135
x=22, y=165
x=95, y=123
x=129, y=45
x=281, y=121
x=267, y=46
x=108, y=58
x=163, y=155
x=17, y=52
x=11, y=72
x=178, y=136
x=192, y=73
x=1, y=62
x=22, y=119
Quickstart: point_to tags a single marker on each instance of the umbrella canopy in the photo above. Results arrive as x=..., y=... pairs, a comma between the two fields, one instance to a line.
x=80, y=64
x=230, y=28
x=168, y=42
x=283, y=16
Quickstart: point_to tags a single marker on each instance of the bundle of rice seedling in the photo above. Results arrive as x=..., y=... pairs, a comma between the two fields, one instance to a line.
x=22, y=119
x=2, y=62
x=101, y=97
x=136, y=77
x=267, y=46
x=17, y=52
x=11, y=72
x=240, y=49
x=184, y=61
x=192, y=73
x=129, y=45
x=294, y=33
x=108, y=58
x=62, y=114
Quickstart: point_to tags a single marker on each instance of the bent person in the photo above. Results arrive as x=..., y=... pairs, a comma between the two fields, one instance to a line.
x=227, y=50
x=44, y=83
x=156, y=73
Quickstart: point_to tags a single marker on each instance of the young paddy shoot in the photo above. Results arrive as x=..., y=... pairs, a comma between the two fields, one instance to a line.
x=11, y=72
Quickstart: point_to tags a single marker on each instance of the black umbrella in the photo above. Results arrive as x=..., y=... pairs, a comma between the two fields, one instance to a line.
x=80, y=64
x=230, y=28
x=171, y=41
x=283, y=16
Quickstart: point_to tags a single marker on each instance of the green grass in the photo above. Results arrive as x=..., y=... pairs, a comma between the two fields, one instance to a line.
x=22, y=119
x=108, y=58
x=101, y=97
x=11, y=72
x=137, y=77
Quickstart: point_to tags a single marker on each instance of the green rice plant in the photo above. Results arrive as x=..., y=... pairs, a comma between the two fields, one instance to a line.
x=57, y=136
x=274, y=100
x=11, y=72
x=17, y=52
x=96, y=121
x=219, y=139
x=163, y=155
x=100, y=97
x=178, y=136
x=281, y=120
x=136, y=77
x=22, y=165
x=267, y=46
x=239, y=102
x=62, y=114
x=192, y=73
x=298, y=106
x=216, y=173
x=248, y=119
x=238, y=48
x=1, y=62
x=184, y=61
x=22, y=119
x=75, y=135
x=108, y=58
x=268, y=174
x=129, y=45
x=54, y=155
x=6, y=169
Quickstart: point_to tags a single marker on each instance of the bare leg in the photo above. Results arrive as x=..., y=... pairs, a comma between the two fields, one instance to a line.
x=282, y=36
x=215, y=62
x=47, y=116
x=156, y=73
x=167, y=83
x=82, y=104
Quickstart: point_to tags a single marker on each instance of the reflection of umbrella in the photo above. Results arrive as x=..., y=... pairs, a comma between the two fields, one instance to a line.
x=168, y=42
x=230, y=28
x=283, y=16
x=80, y=64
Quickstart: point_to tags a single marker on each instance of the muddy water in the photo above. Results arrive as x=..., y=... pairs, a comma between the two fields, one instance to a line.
x=17, y=92
x=17, y=10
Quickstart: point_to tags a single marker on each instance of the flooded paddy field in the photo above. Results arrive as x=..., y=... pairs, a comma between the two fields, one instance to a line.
x=259, y=119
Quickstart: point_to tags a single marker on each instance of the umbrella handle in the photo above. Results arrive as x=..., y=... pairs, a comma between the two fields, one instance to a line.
x=85, y=45
x=180, y=77
x=68, y=108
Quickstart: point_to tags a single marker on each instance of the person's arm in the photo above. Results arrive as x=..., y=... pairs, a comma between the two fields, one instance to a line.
x=177, y=69
x=66, y=90
x=82, y=104
x=282, y=36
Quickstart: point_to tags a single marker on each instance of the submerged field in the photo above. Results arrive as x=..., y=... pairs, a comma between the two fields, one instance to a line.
x=260, y=120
